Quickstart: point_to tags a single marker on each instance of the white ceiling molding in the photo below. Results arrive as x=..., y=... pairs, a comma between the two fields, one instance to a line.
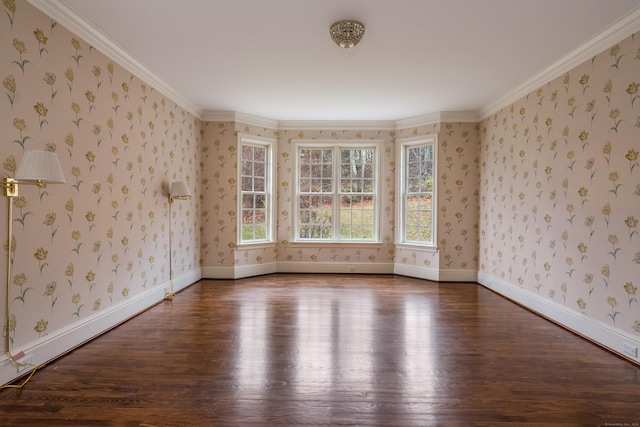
x=336, y=125
x=603, y=40
x=65, y=16
x=250, y=120
x=441, y=117
x=219, y=116
x=414, y=122
x=245, y=119
x=460, y=117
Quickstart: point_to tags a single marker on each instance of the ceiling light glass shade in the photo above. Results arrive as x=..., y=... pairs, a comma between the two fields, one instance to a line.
x=179, y=190
x=347, y=33
x=40, y=166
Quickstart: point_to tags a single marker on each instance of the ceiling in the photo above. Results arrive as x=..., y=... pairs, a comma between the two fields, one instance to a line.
x=275, y=59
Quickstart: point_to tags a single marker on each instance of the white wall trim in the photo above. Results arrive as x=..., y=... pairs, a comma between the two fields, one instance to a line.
x=459, y=276
x=218, y=273
x=591, y=329
x=185, y=280
x=418, y=272
x=66, y=339
x=255, y=270
x=219, y=116
x=604, y=39
x=423, y=120
x=336, y=125
x=335, y=267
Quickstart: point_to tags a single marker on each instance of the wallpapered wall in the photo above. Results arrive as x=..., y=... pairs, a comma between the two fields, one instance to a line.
x=560, y=189
x=458, y=163
x=101, y=238
x=548, y=189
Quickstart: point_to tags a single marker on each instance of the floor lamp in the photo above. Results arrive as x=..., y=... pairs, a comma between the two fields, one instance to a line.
x=36, y=168
x=178, y=191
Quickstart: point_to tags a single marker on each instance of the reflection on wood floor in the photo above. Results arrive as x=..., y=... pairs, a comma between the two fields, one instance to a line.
x=332, y=350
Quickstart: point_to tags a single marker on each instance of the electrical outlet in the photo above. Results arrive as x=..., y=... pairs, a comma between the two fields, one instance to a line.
x=629, y=350
x=28, y=359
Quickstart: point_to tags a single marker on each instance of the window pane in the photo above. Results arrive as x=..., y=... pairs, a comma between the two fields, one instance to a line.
x=247, y=152
x=258, y=184
x=259, y=169
x=247, y=168
x=260, y=154
x=247, y=201
x=328, y=156
x=327, y=185
x=356, y=217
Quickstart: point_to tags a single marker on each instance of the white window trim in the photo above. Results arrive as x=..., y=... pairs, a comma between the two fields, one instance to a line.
x=336, y=143
x=401, y=146
x=270, y=143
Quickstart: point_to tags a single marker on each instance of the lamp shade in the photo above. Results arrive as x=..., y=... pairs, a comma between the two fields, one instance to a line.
x=179, y=190
x=40, y=166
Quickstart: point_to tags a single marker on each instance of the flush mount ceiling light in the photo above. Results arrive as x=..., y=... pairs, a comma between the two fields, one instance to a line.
x=347, y=33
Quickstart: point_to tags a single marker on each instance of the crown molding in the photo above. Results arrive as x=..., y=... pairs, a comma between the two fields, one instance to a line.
x=414, y=122
x=614, y=33
x=336, y=124
x=261, y=122
x=245, y=119
x=440, y=117
x=460, y=117
x=219, y=116
x=59, y=11
x=428, y=119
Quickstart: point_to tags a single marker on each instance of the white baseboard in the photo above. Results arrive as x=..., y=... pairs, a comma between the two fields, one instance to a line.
x=185, y=280
x=66, y=339
x=238, y=272
x=417, y=272
x=611, y=338
x=218, y=273
x=294, y=267
x=436, y=275
x=335, y=267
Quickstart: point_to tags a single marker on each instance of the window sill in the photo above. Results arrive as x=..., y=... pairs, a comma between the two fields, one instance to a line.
x=415, y=246
x=256, y=245
x=335, y=244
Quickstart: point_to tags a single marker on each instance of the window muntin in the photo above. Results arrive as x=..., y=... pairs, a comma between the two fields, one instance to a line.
x=336, y=193
x=255, y=191
x=418, y=192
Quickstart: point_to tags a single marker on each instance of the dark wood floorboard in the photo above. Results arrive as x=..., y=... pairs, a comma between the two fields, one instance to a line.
x=332, y=350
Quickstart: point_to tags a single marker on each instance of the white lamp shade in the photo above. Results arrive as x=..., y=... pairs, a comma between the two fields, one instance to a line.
x=40, y=166
x=179, y=190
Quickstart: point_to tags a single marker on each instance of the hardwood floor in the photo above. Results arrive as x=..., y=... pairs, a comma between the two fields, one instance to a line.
x=332, y=350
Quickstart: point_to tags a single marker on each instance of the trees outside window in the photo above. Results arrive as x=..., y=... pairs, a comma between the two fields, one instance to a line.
x=336, y=192
x=417, y=187
x=256, y=193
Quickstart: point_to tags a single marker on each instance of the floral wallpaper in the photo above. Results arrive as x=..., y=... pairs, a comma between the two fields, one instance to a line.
x=457, y=220
x=560, y=189
x=88, y=245
x=543, y=194
x=458, y=207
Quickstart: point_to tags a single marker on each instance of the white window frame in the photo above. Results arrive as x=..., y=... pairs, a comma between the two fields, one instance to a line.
x=337, y=145
x=401, y=213
x=270, y=210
